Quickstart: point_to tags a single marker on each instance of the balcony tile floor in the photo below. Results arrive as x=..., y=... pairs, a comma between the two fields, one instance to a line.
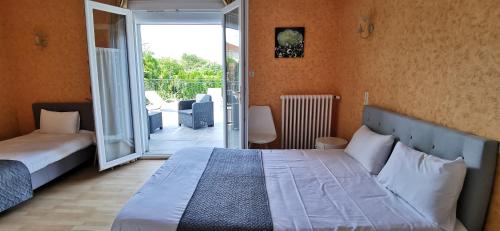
x=173, y=138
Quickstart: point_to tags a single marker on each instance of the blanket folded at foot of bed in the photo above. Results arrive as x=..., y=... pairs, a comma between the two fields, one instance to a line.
x=230, y=195
x=15, y=184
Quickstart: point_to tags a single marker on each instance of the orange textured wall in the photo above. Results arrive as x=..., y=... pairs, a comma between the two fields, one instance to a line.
x=435, y=60
x=57, y=73
x=313, y=74
x=8, y=121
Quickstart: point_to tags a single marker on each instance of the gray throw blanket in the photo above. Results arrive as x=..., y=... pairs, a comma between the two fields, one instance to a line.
x=231, y=194
x=15, y=184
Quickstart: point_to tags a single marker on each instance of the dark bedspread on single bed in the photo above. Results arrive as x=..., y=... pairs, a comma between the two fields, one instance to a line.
x=230, y=195
x=15, y=184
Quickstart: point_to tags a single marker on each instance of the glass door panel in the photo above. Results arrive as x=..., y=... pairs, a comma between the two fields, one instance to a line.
x=234, y=103
x=112, y=76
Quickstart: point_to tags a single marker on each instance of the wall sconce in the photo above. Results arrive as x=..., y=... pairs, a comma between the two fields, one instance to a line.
x=365, y=28
x=227, y=2
x=41, y=39
x=122, y=3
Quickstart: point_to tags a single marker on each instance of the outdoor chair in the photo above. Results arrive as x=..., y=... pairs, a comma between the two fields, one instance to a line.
x=197, y=113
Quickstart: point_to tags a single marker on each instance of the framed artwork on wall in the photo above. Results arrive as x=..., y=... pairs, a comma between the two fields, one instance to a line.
x=289, y=42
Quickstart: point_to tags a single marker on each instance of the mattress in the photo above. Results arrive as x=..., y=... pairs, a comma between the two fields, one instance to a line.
x=307, y=190
x=37, y=150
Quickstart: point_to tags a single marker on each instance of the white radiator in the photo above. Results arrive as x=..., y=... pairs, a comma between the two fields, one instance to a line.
x=304, y=118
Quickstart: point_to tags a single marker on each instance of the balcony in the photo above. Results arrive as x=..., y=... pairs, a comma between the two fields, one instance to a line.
x=163, y=95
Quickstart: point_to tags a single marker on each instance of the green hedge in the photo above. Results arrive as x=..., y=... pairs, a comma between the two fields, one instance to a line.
x=180, y=79
x=179, y=89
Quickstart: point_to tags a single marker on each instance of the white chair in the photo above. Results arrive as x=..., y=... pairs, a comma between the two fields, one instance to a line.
x=261, y=129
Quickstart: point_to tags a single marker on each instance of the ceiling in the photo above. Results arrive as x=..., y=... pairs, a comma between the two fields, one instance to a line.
x=159, y=5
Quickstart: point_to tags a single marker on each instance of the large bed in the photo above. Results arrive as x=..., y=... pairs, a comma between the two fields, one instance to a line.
x=48, y=156
x=323, y=189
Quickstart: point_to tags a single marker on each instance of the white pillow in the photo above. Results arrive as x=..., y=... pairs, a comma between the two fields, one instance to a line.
x=429, y=184
x=370, y=149
x=59, y=122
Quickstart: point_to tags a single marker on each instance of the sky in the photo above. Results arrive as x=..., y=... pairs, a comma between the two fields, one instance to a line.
x=175, y=40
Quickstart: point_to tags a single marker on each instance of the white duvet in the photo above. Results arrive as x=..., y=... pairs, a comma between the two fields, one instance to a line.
x=37, y=150
x=307, y=190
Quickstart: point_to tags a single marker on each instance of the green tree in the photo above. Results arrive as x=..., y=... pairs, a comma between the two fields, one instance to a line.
x=170, y=67
x=151, y=66
x=180, y=79
x=192, y=62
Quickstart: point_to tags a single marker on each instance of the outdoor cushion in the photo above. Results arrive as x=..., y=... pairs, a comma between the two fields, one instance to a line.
x=187, y=111
x=202, y=98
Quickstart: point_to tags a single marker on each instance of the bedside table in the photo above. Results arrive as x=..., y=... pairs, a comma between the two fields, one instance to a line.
x=323, y=143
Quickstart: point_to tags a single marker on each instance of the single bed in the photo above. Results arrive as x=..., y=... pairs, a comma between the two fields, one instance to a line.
x=325, y=189
x=48, y=156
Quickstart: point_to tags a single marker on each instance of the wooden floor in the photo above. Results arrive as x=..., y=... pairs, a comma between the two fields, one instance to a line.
x=81, y=200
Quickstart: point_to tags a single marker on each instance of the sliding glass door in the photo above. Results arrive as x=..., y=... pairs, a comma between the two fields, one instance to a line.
x=234, y=76
x=114, y=82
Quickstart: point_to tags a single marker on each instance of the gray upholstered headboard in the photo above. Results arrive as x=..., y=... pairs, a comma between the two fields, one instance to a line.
x=480, y=155
x=85, y=110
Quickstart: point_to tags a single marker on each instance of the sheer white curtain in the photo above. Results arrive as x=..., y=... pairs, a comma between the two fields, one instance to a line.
x=115, y=95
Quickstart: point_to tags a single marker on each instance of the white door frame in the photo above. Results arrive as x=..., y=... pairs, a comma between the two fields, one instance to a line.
x=243, y=22
x=138, y=67
x=243, y=53
x=89, y=7
x=246, y=73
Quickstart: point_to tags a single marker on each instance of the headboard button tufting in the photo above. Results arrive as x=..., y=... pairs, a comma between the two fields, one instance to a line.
x=480, y=156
